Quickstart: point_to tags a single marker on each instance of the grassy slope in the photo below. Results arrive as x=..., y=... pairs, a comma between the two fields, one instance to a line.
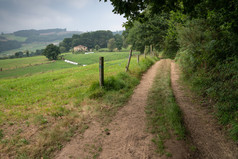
x=57, y=103
x=21, y=62
x=13, y=37
x=30, y=47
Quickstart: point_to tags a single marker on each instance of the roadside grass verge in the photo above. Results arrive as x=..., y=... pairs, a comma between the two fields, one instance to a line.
x=163, y=114
x=39, y=113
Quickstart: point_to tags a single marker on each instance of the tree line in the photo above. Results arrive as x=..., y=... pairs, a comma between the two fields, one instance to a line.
x=201, y=35
x=92, y=40
x=26, y=53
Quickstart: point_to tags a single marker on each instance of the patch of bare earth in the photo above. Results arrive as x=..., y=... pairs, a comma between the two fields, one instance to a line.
x=204, y=130
x=125, y=137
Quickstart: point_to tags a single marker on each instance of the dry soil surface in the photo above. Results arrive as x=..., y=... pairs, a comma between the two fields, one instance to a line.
x=204, y=130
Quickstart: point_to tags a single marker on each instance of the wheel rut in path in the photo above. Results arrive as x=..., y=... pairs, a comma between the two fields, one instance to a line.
x=204, y=130
x=128, y=137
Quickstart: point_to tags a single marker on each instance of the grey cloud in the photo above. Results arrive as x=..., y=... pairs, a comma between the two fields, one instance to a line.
x=84, y=15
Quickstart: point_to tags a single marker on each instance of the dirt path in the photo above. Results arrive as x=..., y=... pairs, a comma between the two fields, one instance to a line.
x=203, y=128
x=129, y=138
x=126, y=136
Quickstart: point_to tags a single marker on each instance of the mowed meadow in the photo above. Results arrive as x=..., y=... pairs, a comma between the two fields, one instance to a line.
x=43, y=103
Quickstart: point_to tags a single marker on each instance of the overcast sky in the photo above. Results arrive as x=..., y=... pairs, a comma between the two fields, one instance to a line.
x=74, y=15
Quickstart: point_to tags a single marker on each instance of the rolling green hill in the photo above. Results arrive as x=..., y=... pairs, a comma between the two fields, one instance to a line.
x=31, y=40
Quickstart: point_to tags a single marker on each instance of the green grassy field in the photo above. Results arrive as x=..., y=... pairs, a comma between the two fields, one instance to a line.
x=32, y=65
x=13, y=37
x=86, y=59
x=40, y=112
x=9, y=64
x=30, y=47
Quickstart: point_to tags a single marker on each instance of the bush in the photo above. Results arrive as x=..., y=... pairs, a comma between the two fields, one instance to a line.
x=209, y=61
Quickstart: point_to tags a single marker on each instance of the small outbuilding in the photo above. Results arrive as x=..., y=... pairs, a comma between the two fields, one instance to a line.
x=80, y=48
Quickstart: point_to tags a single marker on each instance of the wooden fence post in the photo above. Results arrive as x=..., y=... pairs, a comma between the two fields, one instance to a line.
x=101, y=71
x=138, y=58
x=145, y=52
x=129, y=60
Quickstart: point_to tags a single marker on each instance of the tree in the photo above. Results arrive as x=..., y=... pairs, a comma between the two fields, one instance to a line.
x=18, y=54
x=51, y=52
x=97, y=47
x=27, y=53
x=111, y=44
x=118, y=41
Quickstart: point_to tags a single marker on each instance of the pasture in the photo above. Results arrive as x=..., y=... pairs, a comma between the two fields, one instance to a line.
x=30, y=47
x=13, y=68
x=42, y=111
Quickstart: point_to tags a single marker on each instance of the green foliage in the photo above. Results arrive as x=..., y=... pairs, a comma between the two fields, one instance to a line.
x=171, y=45
x=119, y=87
x=111, y=44
x=152, y=32
x=89, y=39
x=51, y=52
x=97, y=47
x=209, y=62
x=18, y=54
x=118, y=41
x=202, y=34
x=135, y=37
x=1, y=134
x=39, y=119
x=9, y=45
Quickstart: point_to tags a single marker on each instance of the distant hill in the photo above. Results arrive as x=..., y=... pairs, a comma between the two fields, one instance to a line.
x=118, y=32
x=23, y=37
x=33, y=40
x=47, y=35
